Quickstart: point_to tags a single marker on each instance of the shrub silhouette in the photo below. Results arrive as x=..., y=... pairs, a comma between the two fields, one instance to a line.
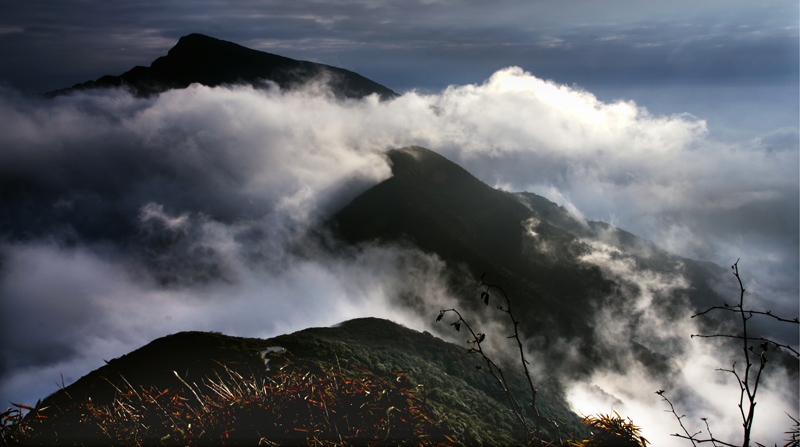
x=611, y=431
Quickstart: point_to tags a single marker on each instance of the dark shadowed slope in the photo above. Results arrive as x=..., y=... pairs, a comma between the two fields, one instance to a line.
x=201, y=59
x=525, y=243
x=647, y=254
x=437, y=206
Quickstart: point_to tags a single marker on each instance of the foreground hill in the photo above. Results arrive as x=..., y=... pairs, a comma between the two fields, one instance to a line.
x=205, y=60
x=461, y=402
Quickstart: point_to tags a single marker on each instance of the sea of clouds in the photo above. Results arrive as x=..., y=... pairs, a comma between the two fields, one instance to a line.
x=126, y=219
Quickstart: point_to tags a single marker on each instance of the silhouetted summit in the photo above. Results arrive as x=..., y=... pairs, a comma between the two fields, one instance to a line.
x=201, y=59
x=441, y=208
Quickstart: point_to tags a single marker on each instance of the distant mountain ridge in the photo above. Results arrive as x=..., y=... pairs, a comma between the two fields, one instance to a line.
x=197, y=58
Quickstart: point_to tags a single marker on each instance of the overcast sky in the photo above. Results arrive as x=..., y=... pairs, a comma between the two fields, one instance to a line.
x=716, y=59
x=419, y=44
x=677, y=121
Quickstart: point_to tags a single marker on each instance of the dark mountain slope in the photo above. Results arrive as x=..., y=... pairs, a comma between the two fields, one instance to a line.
x=201, y=59
x=526, y=244
x=465, y=398
x=443, y=209
x=700, y=274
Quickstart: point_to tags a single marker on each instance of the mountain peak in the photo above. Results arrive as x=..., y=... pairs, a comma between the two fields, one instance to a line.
x=195, y=41
x=195, y=44
x=198, y=38
x=197, y=58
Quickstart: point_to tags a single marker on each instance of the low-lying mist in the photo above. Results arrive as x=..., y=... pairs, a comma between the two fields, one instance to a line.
x=126, y=219
x=651, y=338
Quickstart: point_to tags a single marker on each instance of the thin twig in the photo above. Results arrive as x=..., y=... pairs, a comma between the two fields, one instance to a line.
x=701, y=441
x=747, y=311
x=493, y=368
x=708, y=429
x=679, y=418
x=739, y=337
x=524, y=362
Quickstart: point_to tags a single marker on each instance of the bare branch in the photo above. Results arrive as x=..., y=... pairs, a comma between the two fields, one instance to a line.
x=708, y=429
x=493, y=368
x=524, y=362
x=747, y=311
x=748, y=385
x=700, y=441
x=777, y=345
x=679, y=418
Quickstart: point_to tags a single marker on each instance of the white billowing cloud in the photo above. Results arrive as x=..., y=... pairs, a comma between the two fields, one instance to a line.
x=296, y=148
x=515, y=111
x=217, y=184
x=609, y=159
x=216, y=149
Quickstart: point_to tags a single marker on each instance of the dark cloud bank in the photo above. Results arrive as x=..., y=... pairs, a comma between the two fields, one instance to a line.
x=126, y=219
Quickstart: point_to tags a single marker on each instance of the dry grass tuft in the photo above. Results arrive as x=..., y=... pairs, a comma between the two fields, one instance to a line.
x=344, y=407
x=295, y=406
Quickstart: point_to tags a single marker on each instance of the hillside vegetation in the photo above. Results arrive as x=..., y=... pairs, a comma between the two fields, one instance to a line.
x=364, y=382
